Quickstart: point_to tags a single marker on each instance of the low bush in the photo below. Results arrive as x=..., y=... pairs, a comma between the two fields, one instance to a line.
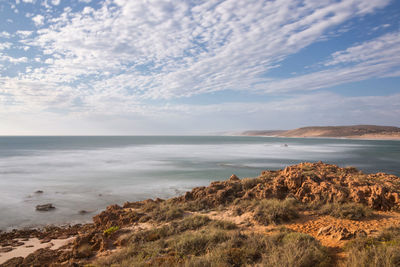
x=166, y=212
x=274, y=211
x=297, y=250
x=225, y=225
x=210, y=243
x=249, y=183
x=383, y=250
x=199, y=242
x=352, y=211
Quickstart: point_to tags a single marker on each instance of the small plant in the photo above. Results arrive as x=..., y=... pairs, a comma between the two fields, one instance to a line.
x=352, y=211
x=166, y=212
x=212, y=246
x=249, y=183
x=297, y=250
x=198, y=243
x=383, y=250
x=111, y=230
x=274, y=211
x=225, y=225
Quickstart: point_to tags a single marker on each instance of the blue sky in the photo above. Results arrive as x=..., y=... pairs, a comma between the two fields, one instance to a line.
x=196, y=67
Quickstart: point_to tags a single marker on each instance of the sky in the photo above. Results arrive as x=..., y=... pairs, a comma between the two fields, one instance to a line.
x=124, y=67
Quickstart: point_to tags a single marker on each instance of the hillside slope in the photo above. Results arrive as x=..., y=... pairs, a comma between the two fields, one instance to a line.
x=354, y=131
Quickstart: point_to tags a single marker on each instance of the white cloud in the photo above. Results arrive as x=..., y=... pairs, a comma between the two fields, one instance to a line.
x=38, y=20
x=190, y=119
x=383, y=48
x=377, y=58
x=5, y=45
x=49, y=61
x=13, y=60
x=188, y=47
x=5, y=34
x=56, y=2
x=24, y=34
x=113, y=59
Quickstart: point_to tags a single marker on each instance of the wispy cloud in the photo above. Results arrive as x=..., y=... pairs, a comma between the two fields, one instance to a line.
x=190, y=119
x=115, y=56
x=376, y=58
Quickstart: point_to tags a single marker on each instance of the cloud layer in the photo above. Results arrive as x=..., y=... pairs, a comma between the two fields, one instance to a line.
x=118, y=56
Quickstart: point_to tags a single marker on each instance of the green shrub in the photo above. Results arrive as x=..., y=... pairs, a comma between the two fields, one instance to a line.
x=225, y=225
x=242, y=206
x=166, y=212
x=274, y=211
x=210, y=243
x=111, y=230
x=198, y=243
x=383, y=250
x=295, y=250
x=249, y=183
x=352, y=211
x=191, y=223
x=196, y=205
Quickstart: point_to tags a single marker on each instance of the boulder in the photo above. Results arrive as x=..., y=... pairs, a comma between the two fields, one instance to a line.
x=336, y=232
x=234, y=178
x=45, y=207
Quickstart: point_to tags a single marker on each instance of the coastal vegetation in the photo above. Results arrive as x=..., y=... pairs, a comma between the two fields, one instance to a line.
x=310, y=214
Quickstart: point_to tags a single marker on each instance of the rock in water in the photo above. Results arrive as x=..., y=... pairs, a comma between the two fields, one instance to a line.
x=39, y=192
x=45, y=207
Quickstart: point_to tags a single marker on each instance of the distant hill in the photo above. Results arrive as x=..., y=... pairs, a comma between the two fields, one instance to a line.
x=354, y=131
x=265, y=133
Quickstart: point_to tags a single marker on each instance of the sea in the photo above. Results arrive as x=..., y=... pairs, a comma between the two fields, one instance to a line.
x=90, y=172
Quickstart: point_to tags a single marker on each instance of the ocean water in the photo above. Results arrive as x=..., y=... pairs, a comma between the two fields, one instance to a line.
x=89, y=173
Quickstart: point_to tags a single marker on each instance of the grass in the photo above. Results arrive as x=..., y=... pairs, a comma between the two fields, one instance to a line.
x=352, y=211
x=165, y=212
x=188, y=223
x=199, y=241
x=382, y=251
x=296, y=249
x=274, y=211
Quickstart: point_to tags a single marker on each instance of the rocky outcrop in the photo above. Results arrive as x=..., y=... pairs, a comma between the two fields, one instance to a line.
x=340, y=232
x=115, y=215
x=307, y=182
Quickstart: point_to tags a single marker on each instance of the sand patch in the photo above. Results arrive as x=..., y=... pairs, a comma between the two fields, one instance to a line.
x=30, y=246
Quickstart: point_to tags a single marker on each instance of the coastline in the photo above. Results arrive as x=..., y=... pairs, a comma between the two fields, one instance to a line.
x=370, y=138
x=352, y=132
x=105, y=235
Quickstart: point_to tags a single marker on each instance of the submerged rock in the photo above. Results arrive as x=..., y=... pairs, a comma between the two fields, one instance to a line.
x=45, y=207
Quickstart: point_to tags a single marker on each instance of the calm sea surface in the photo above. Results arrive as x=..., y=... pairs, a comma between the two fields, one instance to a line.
x=89, y=173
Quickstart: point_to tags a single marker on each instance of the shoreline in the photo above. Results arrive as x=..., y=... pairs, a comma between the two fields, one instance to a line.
x=324, y=137
x=218, y=203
